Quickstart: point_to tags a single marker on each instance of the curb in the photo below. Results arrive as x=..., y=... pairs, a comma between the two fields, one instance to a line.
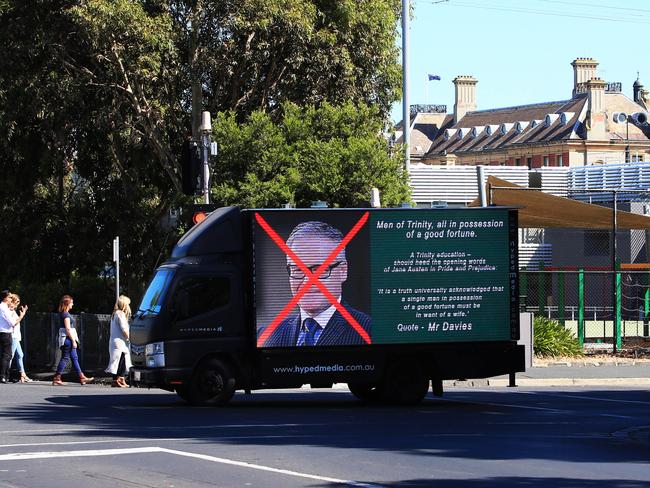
x=595, y=364
x=502, y=382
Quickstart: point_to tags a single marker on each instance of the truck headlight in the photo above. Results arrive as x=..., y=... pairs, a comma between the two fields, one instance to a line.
x=154, y=354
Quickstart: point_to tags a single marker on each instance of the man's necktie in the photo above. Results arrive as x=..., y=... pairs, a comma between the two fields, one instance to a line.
x=311, y=327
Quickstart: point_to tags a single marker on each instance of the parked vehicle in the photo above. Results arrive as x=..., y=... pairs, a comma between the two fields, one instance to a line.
x=389, y=301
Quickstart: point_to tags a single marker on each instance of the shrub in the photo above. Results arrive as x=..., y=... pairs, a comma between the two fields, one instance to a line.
x=551, y=339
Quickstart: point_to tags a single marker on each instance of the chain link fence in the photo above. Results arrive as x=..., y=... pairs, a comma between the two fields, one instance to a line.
x=596, y=282
x=40, y=341
x=599, y=307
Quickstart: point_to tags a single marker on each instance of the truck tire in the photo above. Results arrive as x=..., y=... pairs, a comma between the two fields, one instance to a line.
x=212, y=384
x=405, y=384
x=366, y=392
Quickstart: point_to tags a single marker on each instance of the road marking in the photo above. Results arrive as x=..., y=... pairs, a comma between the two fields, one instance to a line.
x=268, y=468
x=580, y=397
x=74, y=443
x=22, y=456
x=525, y=407
x=40, y=431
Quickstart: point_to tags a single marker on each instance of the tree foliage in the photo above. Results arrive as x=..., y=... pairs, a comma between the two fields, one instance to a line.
x=97, y=97
x=331, y=153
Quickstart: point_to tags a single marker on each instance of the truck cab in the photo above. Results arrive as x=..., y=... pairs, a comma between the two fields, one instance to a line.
x=193, y=313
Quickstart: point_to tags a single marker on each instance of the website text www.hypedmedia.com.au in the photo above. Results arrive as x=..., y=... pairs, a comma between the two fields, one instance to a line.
x=324, y=369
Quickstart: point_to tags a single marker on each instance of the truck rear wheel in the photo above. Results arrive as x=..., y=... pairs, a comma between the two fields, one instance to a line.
x=405, y=384
x=367, y=392
x=212, y=384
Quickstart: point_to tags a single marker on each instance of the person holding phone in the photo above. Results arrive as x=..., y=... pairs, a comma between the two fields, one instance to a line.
x=8, y=321
x=17, y=353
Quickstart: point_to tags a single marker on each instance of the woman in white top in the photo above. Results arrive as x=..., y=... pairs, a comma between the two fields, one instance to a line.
x=16, y=349
x=118, y=348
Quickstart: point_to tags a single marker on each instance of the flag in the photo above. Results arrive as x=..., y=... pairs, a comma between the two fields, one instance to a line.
x=433, y=77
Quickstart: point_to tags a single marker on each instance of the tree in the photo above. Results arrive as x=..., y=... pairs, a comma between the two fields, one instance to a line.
x=332, y=153
x=97, y=97
x=258, y=54
x=87, y=144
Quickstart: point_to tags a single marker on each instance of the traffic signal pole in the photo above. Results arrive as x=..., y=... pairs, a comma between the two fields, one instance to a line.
x=206, y=130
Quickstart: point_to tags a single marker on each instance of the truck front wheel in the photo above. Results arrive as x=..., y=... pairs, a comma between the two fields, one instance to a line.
x=212, y=384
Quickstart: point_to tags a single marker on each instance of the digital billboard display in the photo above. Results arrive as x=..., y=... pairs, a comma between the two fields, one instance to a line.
x=364, y=277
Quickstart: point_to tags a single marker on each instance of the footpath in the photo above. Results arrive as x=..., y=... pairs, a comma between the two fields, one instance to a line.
x=584, y=371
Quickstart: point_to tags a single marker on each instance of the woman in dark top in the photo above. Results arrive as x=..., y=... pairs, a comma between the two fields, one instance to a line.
x=70, y=344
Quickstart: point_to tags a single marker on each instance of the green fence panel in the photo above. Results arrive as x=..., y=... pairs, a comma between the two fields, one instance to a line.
x=581, y=307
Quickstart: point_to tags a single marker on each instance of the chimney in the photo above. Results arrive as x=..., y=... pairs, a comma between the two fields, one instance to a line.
x=584, y=69
x=637, y=89
x=595, y=110
x=465, y=88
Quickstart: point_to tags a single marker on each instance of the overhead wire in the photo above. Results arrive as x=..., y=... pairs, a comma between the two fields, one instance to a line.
x=632, y=19
x=591, y=5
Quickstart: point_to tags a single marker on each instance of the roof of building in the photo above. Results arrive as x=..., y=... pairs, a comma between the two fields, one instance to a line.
x=484, y=130
x=424, y=130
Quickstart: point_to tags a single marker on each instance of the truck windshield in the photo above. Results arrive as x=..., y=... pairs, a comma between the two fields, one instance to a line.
x=153, y=298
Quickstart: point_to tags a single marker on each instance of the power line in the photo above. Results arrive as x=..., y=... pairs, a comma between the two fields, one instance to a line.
x=591, y=5
x=547, y=13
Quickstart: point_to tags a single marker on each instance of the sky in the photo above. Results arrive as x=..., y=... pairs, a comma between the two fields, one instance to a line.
x=520, y=50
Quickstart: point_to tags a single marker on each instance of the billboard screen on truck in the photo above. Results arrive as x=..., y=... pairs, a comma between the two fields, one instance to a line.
x=365, y=277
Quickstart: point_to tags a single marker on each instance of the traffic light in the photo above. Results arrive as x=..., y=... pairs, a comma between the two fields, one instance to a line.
x=191, y=169
x=199, y=216
x=198, y=213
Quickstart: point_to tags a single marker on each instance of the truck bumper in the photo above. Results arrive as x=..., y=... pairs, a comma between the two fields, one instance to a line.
x=164, y=378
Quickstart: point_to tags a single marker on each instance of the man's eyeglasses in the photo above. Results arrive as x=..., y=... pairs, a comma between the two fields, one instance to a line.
x=296, y=273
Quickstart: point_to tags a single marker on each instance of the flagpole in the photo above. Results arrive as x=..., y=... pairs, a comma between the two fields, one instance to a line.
x=426, y=90
x=406, y=115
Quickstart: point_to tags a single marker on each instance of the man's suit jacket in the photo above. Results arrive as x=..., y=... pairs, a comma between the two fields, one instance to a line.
x=337, y=332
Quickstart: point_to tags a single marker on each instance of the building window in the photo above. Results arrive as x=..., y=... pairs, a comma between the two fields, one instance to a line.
x=546, y=161
x=560, y=160
x=531, y=235
x=529, y=163
x=518, y=161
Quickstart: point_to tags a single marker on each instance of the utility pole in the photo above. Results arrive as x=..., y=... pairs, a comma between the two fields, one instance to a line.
x=406, y=110
x=116, y=259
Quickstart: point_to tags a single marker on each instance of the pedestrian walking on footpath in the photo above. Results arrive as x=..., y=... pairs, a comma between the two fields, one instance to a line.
x=118, y=347
x=17, y=353
x=69, y=343
x=7, y=322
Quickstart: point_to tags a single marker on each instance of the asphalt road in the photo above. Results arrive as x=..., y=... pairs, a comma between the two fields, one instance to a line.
x=95, y=436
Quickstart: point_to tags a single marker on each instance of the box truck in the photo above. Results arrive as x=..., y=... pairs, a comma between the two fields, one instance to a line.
x=390, y=301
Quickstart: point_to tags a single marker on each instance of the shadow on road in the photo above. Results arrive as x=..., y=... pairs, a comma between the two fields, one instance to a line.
x=473, y=424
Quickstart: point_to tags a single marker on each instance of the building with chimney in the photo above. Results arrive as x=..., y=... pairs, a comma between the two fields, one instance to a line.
x=597, y=124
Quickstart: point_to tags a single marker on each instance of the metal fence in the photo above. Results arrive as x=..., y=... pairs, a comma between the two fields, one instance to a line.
x=40, y=341
x=599, y=307
x=596, y=282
